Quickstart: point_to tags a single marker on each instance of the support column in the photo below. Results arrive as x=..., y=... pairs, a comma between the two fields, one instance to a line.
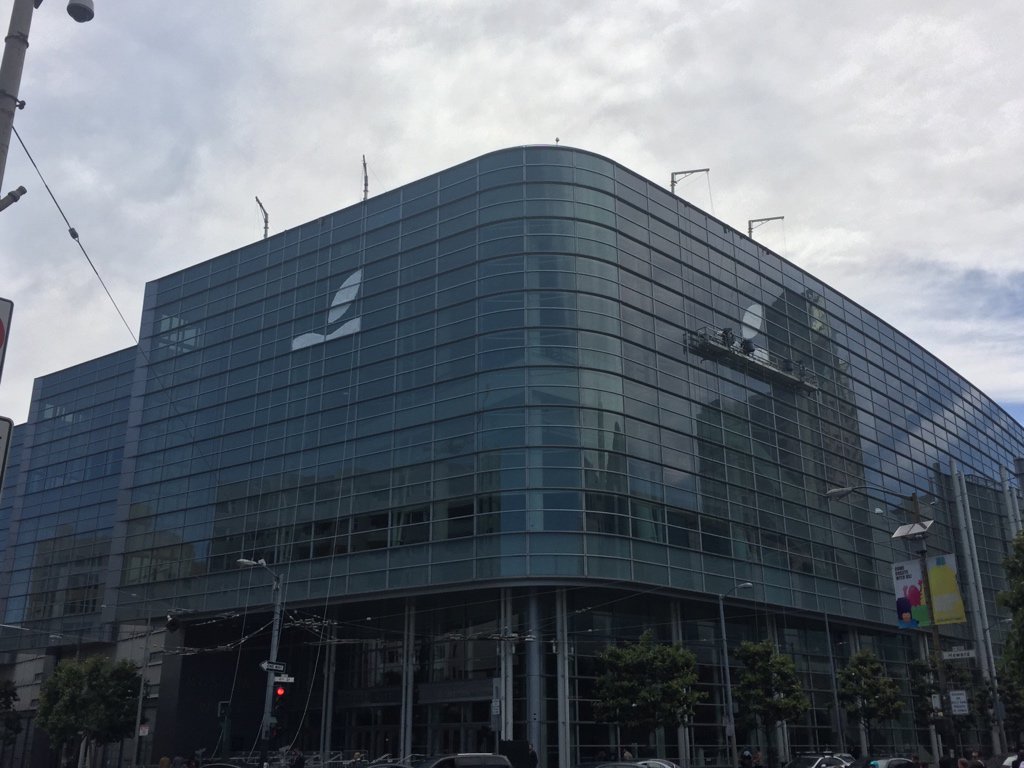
x=565, y=752
x=861, y=733
x=1010, y=502
x=781, y=728
x=833, y=674
x=506, y=649
x=683, y=731
x=534, y=667
x=327, y=716
x=979, y=620
x=408, y=677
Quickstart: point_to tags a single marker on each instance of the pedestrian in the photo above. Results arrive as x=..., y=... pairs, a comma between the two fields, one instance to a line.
x=1019, y=760
x=976, y=761
x=746, y=759
x=961, y=762
x=534, y=759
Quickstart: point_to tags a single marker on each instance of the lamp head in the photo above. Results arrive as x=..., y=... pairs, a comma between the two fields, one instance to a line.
x=838, y=493
x=81, y=10
x=916, y=530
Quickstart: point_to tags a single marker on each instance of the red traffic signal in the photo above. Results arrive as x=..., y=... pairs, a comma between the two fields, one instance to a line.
x=279, y=691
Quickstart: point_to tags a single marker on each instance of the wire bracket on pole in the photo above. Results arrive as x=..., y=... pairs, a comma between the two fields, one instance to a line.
x=19, y=103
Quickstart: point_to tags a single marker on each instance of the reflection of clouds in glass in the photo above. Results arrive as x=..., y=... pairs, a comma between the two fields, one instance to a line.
x=753, y=321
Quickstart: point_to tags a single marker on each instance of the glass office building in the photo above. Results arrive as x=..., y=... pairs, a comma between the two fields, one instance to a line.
x=482, y=426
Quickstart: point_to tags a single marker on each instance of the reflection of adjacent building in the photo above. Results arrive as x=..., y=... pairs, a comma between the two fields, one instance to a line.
x=482, y=426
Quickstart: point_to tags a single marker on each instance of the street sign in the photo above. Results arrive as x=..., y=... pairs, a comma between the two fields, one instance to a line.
x=958, y=703
x=273, y=666
x=6, y=309
x=959, y=653
x=284, y=679
x=6, y=428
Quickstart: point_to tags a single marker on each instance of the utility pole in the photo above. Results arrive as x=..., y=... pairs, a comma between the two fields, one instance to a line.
x=142, y=693
x=271, y=665
x=13, y=64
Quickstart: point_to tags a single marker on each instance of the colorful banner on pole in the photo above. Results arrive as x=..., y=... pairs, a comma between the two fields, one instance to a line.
x=911, y=609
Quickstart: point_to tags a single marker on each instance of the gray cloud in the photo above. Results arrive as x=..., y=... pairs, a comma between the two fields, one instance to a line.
x=889, y=137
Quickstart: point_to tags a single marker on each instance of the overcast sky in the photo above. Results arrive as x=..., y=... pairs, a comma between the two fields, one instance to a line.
x=889, y=135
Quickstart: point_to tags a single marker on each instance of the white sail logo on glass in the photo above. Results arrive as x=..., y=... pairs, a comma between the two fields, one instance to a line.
x=339, y=307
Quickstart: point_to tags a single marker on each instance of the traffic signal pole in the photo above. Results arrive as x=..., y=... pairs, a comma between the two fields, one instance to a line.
x=275, y=641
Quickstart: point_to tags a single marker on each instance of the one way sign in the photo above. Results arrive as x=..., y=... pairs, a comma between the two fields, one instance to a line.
x=272, y=666
x=6, y=310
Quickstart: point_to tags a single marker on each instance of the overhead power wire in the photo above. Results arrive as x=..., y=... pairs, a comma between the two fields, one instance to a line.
x=74, y=236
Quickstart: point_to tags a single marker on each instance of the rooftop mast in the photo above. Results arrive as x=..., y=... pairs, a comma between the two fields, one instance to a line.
x=266, y=218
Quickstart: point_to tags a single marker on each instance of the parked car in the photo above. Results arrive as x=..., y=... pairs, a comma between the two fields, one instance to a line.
x=846, y=757
x=656, y=762
x=465, y=760
x=816, y=761
x=892, y=762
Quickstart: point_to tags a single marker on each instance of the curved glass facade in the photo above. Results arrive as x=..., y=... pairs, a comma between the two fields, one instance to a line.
x=533, y=404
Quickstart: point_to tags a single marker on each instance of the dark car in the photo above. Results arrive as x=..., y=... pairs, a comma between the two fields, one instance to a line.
x=464, y=760
x=891, y=762
x=816, y=761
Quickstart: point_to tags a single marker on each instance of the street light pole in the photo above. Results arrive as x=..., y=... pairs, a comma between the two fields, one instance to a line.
x=275, y=640
x=142, y=693
x=730, y=725
x=915, y=531
x=15, y=48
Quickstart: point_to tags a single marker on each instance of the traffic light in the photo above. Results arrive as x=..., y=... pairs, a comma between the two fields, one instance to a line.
x=279, y=692
x=278, y=710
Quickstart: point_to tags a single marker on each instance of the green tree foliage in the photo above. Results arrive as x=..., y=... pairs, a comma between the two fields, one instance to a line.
x=867, y=691
x=10, y=721
x=768, y=689
x=646, y=684
x=95, y=697
x=1011, y=672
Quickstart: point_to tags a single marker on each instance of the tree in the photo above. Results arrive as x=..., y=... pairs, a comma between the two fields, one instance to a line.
x=95, y=698
x=646, y=684
x=10, y=720
x=768, y=689
x=1011, y=672
x=867, y=691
